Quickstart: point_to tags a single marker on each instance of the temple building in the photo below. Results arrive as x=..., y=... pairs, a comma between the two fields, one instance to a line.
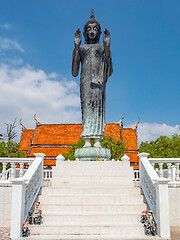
x=55, y=139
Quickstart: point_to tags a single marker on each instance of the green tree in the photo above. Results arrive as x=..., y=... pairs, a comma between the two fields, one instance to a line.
x=73, y=148
x=162, y=147
x=116, y=147
x=10, y=149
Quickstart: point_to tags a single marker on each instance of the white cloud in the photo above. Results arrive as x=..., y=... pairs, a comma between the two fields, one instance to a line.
x=8, y=44
x=13, y=61
x=6, y=25
x=26, y=91
x=151, y=131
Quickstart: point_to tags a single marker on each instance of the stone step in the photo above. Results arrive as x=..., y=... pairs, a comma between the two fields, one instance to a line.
x=58, y=190
x=120, y=184
x=92, y=237
x=88, y=219
x=90, y=168
x=123, y=174
x=99, y=208
x=91, y=164
x=56, y=183
x=131, y=184
x=93, y=171
x=92, y=199
x=115, y=229
x=90, y=179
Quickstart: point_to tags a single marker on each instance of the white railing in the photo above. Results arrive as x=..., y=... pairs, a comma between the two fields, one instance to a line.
x=155, y=190
x=17, y=168
x=47, y=174
x=172, y=172
x=136, y=175
x=24, y=193
x=13, y=171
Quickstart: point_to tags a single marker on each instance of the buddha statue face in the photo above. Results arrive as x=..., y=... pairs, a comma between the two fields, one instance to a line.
x=92, y=33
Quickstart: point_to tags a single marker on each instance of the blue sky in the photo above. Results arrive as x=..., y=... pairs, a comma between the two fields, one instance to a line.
x=36, y=43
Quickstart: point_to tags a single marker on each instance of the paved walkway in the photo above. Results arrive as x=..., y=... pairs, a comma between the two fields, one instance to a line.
x=175, y=233
x=4, y=233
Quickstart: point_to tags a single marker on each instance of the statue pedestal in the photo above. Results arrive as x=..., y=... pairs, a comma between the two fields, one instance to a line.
x=92, y=154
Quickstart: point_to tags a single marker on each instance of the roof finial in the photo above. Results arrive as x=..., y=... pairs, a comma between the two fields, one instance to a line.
x=92, y=13
x=120, y=123
x=23, y=127
x=37, y=123
x=136, y=125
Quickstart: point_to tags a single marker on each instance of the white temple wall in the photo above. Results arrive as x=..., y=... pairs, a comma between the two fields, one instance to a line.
x=5, y=206
x=174, y=202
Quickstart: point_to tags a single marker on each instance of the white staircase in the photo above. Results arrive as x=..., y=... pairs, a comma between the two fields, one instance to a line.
x=91, y=200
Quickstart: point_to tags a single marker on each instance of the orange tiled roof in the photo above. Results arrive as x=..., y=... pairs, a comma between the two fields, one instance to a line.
x=49, y=162
x=49, y=151
x=136, y=167
x=129, y=137
x=58, y=134
x=26, y=139
x=67, y=133
x=112, y=129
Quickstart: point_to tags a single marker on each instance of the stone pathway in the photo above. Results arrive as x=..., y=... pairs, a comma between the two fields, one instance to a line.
x=175, y=233
x=5, y=233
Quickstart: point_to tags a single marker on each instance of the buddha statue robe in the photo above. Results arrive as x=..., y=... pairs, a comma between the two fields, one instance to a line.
x=95, y=70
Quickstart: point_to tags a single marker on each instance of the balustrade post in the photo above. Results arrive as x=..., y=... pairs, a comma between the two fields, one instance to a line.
x=13, y=170
x=40, y=156
x=162, y=208
x=173, y=169
x=17, y=209
x=160, y=170
x=177, y=171
x=21, y=172
x=125, y=158
x=4, y=171
x=153, y=164
x=169, y=171
x=59, y=159
x=141, y=157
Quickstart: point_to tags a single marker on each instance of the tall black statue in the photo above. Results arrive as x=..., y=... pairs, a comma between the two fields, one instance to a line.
x=96, y=67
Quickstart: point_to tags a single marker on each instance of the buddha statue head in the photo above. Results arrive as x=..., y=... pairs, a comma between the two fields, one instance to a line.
x=92, y=30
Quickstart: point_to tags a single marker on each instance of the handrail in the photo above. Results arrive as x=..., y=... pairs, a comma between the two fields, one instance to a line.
x=173, y=164
x=150, y=170
x=33, y=181
x=155, y=190
x=16, y=160
x=24, y=193
x=164, y=160
x=147, y=182
x=13, y=172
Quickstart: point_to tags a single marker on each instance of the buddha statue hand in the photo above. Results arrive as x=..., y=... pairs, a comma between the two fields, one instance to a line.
x=106, y=39
x=77, y=38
